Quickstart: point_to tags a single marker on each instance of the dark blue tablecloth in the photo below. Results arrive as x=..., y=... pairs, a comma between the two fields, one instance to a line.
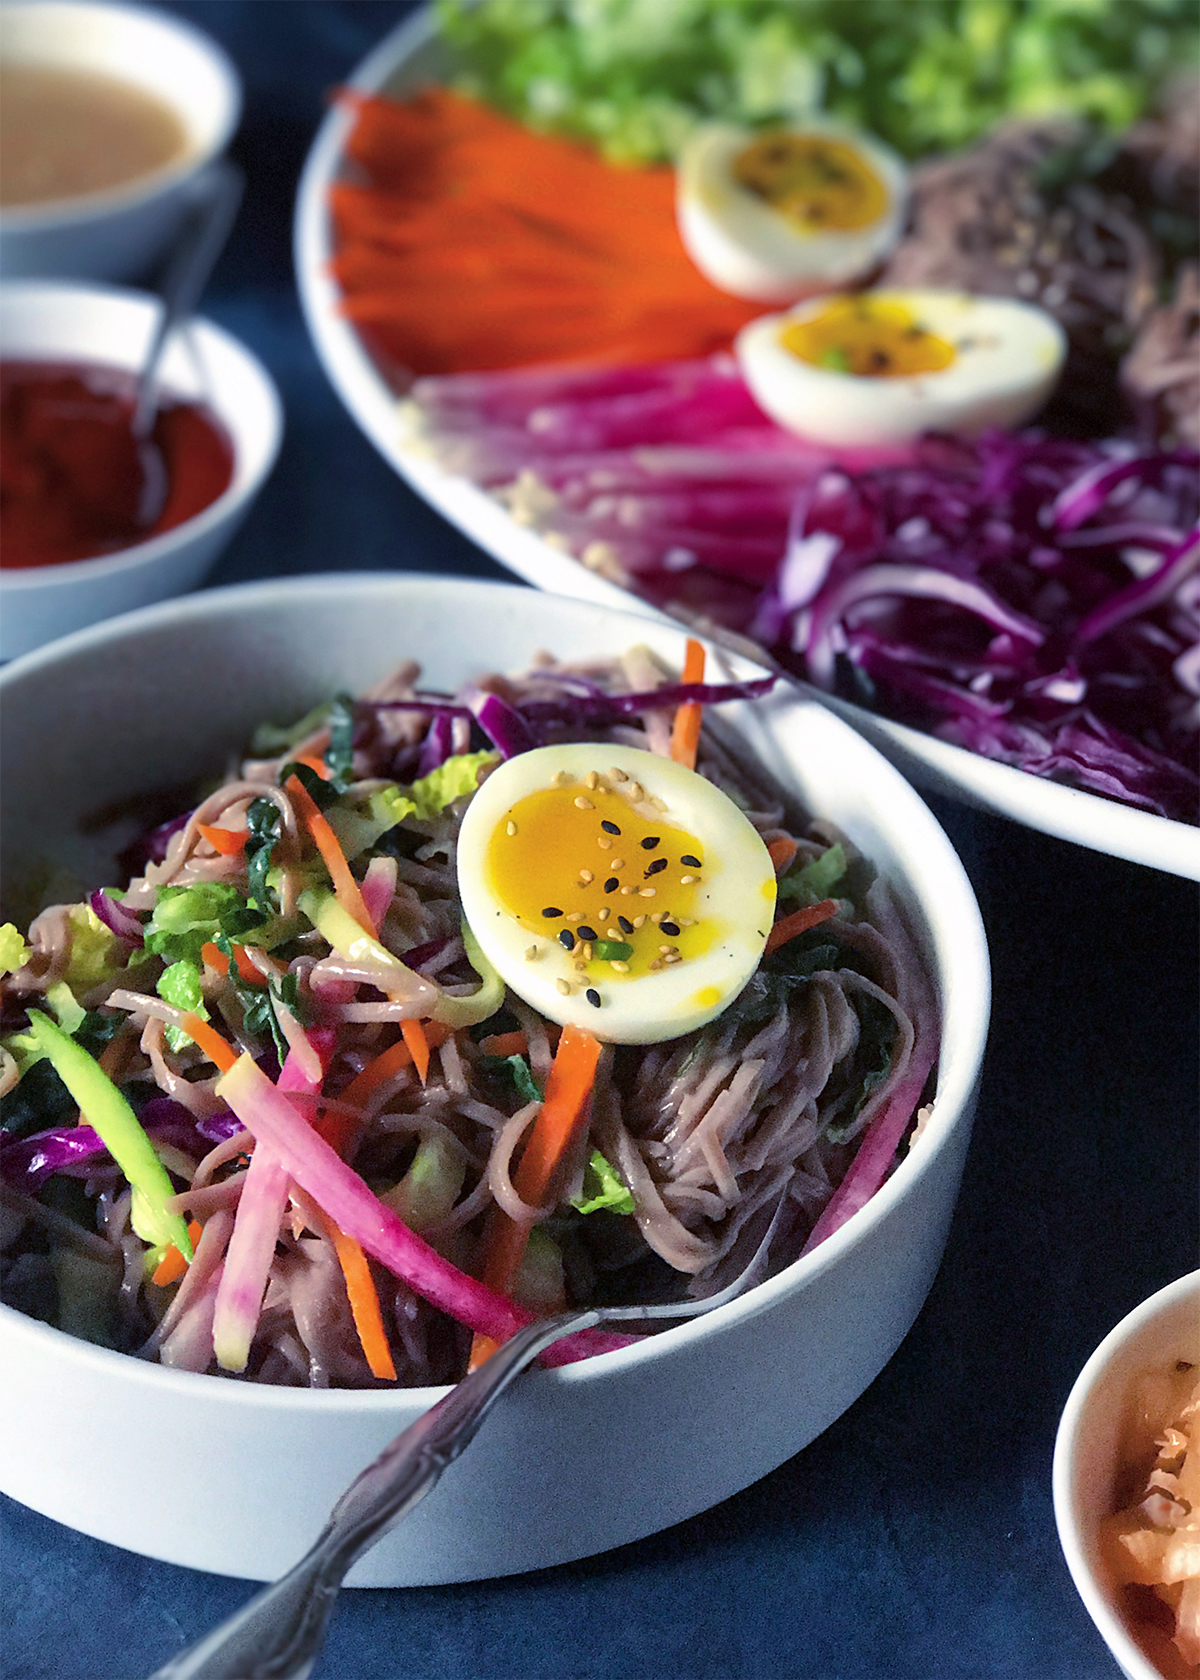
x=915, y=1540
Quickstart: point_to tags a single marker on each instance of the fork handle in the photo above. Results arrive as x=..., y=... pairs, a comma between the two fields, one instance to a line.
x=278, y=1634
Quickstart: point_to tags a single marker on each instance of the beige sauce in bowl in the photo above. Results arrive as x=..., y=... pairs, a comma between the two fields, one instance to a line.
x=68, y=133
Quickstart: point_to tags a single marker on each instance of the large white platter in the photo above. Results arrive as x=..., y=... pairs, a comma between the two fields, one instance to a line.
x=411, y=55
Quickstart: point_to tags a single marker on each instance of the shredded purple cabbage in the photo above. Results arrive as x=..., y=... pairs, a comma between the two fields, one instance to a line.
x=1034, y=599
x=27, y=1162
x=116, y=918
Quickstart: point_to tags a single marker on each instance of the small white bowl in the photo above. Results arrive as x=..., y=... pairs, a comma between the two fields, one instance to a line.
x=236, y=1478
x=1087, y=1449
x=118, y=234
x=44, y=321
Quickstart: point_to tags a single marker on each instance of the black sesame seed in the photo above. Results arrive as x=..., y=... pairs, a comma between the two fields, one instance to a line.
x=669, y=928
x=588, y=933
x=567, y=939
x=625, y=926
x=593, y=997
x=649, y=843
x=551, y=911
x=692, y=862
x=658, y=865
x=610, y=827
x=611, y=884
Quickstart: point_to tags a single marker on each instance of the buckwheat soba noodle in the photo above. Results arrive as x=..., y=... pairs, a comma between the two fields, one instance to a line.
x=443, y=1012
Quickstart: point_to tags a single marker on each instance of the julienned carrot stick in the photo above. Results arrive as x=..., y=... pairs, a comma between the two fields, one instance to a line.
x=799, y=922
x=504, y=1044
x=344, y=885
x=216, y=958
x=173, y=1265
x=228, y=841
x=572, y=1074
x=218, y=1050
x=360, y=1289
x=685, y=731
x=413, y=1034
x=781, y=851
x=339, y=1127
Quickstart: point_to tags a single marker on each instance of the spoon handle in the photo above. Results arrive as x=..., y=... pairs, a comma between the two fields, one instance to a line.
x=278, y=1635
x=217, y=198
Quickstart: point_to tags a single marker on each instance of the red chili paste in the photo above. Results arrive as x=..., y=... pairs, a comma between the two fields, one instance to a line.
x=75, y=483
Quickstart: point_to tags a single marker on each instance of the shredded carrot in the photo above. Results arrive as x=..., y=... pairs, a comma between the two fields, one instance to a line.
x=364, y=1302
x=216, y=958
x=564, y=1108
x=317, y=765
x=228, y=841
x=218, y=1050
x=413, y=1035
x=799, y=922
x=685, y=731
x=465, y=241
x=339, y=1127
x=172, y=1266
x=781, y=852
x=504, y=1044
x=345, y=887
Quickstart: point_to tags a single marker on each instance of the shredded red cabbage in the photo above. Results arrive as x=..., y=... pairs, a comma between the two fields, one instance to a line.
x=1034, y=599
x=27, y=1162
x=124, y=923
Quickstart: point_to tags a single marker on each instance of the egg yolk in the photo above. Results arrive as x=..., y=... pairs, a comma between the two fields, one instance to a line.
x=820, y=184
x=595, y=866
x=870, y=337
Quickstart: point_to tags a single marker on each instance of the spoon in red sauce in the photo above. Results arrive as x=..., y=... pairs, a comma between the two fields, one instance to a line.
x=95, y=458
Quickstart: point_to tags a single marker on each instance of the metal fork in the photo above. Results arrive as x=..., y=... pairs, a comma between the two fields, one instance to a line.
x=278, y=1635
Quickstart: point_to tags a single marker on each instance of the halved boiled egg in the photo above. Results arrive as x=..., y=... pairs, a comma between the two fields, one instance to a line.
x=615, y=889
x=777, y=215
x=878, y=367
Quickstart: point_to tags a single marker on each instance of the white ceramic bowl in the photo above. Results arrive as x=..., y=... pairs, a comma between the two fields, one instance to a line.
x=577, y=1459
x=43, y=320
x=121, y=233
x=1086, y=1452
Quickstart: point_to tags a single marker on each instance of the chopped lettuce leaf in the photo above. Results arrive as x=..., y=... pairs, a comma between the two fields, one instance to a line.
x=272, y=739
x=817, y=878
x=540, y=1283
x=603, y=1187
x=432, y=1184
x=452, y=780
x=96, y=952
x=360, y=827
x=187, y=918
x=26, y=1048
x=14, y=953
x=179, y=985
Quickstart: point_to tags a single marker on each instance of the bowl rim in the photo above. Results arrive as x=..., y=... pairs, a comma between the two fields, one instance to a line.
x=968, y=1002
x=63, y=214
x=234, y=496
x=1107, y=1619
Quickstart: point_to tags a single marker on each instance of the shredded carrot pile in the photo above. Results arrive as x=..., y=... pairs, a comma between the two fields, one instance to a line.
x=465, y=241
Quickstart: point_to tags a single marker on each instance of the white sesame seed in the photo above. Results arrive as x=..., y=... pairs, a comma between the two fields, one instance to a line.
x=580, y=966
x=621, y=967
x=658, y=804
x=658, y=916
x=647, y=892
x=562, y=778
x=586, y=951
x=687, y=880
x=663, y=949
x=531, y=954
x=656, y=965
x=617, y=775
x=591, y=779
x=575, y=916
x=674, y=957
x=583, y=804
x=636, y=791
x=617, y=863
x=586, y=876
x=604, y=843
x=564, y=987
x=626, y=892
x=511, y=828
x=603, y=913
x=639, y=921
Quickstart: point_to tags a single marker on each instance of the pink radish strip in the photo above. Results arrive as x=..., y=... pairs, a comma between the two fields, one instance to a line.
x=341, y=1194
x=260, y=1211
x=379, y=887
x=878, y=1149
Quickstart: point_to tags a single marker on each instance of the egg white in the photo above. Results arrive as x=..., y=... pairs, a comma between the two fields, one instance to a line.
x=745, y=247
x=1010, y=361
x=737, y=890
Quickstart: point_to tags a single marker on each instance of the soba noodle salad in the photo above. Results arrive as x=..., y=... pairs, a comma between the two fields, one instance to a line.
x=442, y=1012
